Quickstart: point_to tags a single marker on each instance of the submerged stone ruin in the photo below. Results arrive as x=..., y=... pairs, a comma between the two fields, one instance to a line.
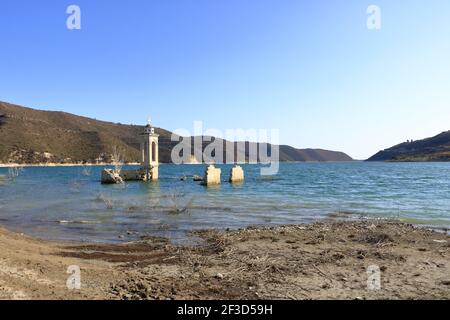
x=212, y=176
x=236, y=174
x=149, y=170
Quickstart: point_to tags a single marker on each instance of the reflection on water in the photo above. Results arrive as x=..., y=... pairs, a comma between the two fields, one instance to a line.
x=70, y=203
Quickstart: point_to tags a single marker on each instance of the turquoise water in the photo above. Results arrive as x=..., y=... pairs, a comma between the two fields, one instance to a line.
x=69, y=203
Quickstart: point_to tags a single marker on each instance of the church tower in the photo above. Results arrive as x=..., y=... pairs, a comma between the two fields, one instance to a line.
x=149, y=152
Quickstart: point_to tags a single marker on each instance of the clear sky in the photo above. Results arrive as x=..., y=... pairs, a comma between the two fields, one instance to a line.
x=309, y=68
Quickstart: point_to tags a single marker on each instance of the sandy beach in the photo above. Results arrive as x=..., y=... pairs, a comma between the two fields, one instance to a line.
x=318, y=261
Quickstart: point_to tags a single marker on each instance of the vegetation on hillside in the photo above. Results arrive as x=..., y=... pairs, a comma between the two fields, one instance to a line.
x=29, y=136
x=436, y=148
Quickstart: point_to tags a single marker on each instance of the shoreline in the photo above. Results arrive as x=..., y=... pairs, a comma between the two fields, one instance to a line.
x=324, y=260
x=15, y=165
x=50, y=165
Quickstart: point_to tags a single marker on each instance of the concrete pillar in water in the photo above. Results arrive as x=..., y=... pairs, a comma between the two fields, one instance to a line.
x=236, y=174
x=212, y=176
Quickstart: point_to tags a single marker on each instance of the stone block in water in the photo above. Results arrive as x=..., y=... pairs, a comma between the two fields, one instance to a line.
x=110, y=176
x=236, y=174
x=212, y=176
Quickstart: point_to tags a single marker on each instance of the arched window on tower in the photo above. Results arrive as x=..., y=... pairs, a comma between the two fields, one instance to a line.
x=154, y=151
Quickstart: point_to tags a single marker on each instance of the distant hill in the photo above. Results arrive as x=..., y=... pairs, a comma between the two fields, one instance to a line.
x=288, y=153
x=436, y=148
x=29, y=136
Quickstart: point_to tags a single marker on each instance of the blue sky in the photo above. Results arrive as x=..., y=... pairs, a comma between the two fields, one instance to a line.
x=309, y=68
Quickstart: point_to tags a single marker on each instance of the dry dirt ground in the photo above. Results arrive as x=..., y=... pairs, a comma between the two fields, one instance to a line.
x=318, y=261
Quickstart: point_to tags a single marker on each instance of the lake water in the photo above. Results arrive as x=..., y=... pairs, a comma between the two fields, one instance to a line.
x=69, y=203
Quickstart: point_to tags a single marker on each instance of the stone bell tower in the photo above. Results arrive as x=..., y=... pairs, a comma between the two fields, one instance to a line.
x=149, y=152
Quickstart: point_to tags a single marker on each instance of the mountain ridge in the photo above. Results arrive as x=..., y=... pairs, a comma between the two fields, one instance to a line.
x=31, y=136
x=436, y=148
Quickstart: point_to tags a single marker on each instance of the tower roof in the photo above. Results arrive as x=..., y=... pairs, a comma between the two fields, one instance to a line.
x=149, y=129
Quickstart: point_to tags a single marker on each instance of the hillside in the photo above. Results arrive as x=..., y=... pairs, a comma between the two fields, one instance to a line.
x=436, y=148
x=288, y=153
x=29, y=136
